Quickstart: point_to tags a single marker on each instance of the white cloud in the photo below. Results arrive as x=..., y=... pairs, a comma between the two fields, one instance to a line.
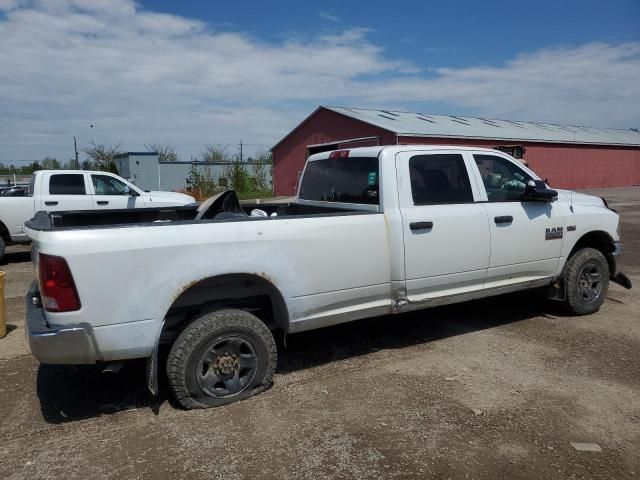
x=328, y=16
x=594, y=84
x=142, y=76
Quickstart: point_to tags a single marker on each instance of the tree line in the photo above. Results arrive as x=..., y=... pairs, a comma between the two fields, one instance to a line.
x=102, y=157
x=247, y=182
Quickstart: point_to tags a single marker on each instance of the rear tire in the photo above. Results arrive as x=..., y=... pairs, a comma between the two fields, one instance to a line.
x=586, y=277
x=3, y=247
x=220, y=358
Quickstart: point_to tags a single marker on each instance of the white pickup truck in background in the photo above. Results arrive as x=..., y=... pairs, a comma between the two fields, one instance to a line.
x=373, y=231
x=57, y=190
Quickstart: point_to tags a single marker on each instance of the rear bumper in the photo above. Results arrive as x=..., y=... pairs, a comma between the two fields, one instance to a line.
x=69, y=345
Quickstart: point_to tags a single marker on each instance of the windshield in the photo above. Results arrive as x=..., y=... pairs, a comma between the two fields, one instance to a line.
x=346, y=180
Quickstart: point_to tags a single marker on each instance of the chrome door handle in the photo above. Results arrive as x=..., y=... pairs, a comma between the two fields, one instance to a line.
x=420, y=226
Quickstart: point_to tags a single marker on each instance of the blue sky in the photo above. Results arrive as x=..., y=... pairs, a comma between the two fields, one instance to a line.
x=445, y=33
x=193, y=73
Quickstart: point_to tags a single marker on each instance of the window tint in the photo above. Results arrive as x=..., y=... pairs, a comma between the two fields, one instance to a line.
x=106, y=185
x=503, y=181
x=348, y=180
x=66, y=184
x=440, y=178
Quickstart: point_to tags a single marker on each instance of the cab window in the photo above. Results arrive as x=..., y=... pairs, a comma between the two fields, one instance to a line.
x=67, y=184
x=503, y=180
x=439, y=179
x=105, y=185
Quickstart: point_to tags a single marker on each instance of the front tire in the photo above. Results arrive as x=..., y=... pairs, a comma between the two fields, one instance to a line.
x=3, y=248
x=586, y=277
x=220, y=358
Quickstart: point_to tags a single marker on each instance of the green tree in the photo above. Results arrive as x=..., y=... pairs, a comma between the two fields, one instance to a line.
x=194, y=179
x=102, y=157
x=262, y=170
x=237, y=176
x=200, y=181
x=70, y=165
x=215, y=153
x=166, y=153
x=49, y=163
x=264, y=156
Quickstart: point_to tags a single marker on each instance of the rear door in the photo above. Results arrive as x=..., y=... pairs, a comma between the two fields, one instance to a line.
x=446, y=233
x=526, y=237
x=110, y=192
x=65, y=191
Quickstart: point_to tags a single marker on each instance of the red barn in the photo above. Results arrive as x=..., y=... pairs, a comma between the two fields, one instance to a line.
x=568, y=156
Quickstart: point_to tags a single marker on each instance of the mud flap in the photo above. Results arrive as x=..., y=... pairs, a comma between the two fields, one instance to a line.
x=152, y=373
x=152, y=365
x=621, y=279
x=557, y=290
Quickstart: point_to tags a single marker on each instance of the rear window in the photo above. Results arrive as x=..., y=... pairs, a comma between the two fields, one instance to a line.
x=345, y=180
x=66, y=184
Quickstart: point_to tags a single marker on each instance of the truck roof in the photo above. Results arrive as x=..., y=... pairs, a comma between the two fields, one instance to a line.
x=37, y=172
x=375, y=151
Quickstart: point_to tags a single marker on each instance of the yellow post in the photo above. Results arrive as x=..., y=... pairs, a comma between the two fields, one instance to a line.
x=3, y=313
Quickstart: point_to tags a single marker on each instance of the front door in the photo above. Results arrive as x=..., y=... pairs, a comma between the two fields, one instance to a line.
x=526, y=237
x=446, y=234
x=111, y=193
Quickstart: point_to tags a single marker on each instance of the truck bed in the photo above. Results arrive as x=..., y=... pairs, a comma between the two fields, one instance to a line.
x=85, y=219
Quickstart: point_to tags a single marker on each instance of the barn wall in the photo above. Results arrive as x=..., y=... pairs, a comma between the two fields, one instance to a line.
x=566, y=166
x=322, y=127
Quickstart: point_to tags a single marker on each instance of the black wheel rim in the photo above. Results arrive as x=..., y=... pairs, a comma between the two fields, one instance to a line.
x=590, y=283
x=227, y=367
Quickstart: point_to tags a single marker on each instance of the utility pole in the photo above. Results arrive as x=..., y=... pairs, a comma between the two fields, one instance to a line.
x=241, y=151
x=75, y=148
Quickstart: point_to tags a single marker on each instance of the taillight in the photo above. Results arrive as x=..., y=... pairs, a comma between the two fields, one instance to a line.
x=339, y=154
x=58, y=291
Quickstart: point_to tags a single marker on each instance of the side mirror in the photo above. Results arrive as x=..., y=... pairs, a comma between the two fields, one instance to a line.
x=537, y=190
x=130, y=191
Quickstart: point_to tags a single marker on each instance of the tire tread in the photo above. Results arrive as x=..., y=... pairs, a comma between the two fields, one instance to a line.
x=183, y=345
x=570, y=274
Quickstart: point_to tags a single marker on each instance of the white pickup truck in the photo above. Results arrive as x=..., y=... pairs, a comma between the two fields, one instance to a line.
x=373, y=231
x=57, y=190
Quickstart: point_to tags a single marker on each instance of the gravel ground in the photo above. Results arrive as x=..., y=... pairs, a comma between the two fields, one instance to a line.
x=494, y=388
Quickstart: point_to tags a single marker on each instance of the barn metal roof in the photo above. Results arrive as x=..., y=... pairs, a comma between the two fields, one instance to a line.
x=414, y=124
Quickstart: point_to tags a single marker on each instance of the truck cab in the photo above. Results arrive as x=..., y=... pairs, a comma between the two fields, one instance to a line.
x=65, y=190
